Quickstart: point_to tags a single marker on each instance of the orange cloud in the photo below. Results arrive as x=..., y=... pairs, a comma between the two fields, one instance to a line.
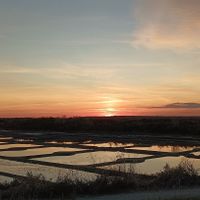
x=167, y=24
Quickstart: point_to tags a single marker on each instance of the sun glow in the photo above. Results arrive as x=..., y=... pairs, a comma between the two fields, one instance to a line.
x=110, y=106
x=109, y=112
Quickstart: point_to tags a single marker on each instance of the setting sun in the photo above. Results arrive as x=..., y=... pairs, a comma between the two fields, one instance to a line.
x=109, y=112
x=110, y=106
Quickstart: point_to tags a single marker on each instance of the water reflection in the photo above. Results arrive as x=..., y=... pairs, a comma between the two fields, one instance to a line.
x=110, y=144
x=156, y=165
x=91, y=158
x=37, y=151
x=169, y=148
x=50, y=173
x=5, y=138
x=7, y=146
x=196, y=153
x=58, y=157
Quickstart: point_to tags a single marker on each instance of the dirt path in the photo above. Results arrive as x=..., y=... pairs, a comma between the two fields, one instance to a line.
x=156, y=195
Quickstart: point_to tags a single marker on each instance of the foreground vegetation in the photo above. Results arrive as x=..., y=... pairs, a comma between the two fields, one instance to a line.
x=154, y=125
x=36, y=187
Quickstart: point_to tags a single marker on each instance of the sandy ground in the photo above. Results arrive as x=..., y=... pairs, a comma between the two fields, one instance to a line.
x=156, y=195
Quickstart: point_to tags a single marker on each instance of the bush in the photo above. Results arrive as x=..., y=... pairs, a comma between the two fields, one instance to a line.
x=182, y=175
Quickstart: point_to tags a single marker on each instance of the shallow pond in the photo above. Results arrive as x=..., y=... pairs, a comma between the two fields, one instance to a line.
x=87, y=159
x=91, y=158
x=169, y=148
x=155, y=165
x=37, y=151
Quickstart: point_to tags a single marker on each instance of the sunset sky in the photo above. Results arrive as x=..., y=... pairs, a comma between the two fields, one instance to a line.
x=99, y=57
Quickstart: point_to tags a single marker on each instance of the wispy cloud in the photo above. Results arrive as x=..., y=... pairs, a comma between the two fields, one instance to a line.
x=60, y=70
x=167, y=24
x=180, y=106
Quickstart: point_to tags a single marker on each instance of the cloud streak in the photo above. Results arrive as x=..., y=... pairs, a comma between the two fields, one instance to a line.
x=180, y=106
x=167, y=24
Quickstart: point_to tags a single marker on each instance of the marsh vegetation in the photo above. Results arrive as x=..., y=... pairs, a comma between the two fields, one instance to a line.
x=184, y=175
x=123, y=125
